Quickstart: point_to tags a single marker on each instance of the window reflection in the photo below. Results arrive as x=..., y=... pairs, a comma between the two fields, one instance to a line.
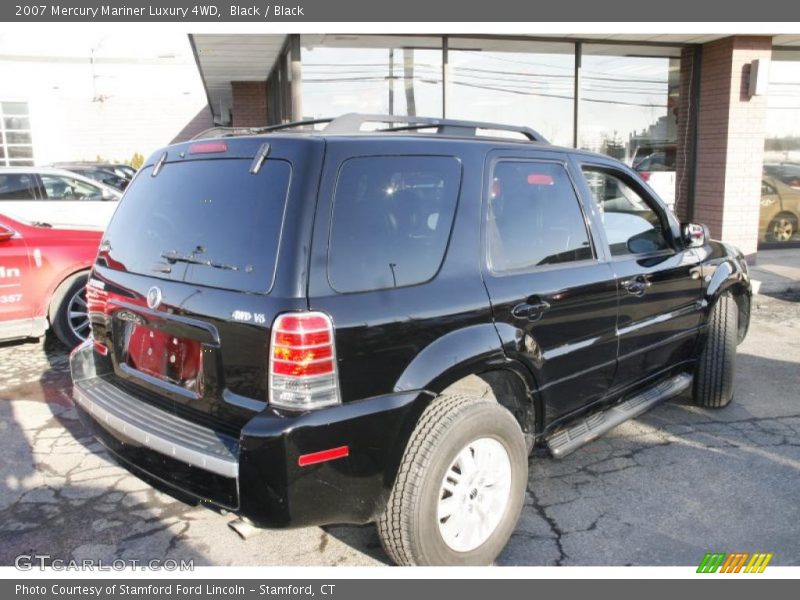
x=371, y=74
x=518, y=83
x=628, y=109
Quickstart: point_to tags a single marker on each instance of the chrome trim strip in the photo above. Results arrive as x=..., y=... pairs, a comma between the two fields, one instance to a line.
x=214, y=464
x=659, y=318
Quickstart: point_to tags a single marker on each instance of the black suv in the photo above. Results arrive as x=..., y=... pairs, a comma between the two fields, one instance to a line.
x=343, y=326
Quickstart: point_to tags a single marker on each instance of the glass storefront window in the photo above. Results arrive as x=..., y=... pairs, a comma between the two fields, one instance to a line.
x=628, y=109
x=513, y=82
x=371, y=74
x=780, y=186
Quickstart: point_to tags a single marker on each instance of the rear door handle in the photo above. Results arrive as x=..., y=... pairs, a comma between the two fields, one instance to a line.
x=532, y=311
x=636, y=286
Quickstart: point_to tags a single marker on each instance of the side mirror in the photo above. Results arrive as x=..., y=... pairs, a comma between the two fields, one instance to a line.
x=108, y=195
x=5, y=233
x=694, y=235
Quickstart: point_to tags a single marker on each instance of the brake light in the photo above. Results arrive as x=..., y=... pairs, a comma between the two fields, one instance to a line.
x=208, y=148
x=540, y=179
x=302, y=362
x=645, y=175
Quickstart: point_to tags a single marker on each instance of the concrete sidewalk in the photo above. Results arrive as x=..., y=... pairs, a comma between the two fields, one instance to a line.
x=776, y=271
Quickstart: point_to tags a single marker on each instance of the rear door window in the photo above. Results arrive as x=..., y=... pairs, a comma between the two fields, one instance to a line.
x=205, y=222
x=391, y=220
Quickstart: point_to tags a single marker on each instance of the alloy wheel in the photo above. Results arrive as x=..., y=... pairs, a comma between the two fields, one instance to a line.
x=474, y=494
x=782, y=230
x=78, y=315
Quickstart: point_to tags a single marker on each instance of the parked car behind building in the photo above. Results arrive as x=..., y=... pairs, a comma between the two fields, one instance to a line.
x=780, y=211
x=785, y=172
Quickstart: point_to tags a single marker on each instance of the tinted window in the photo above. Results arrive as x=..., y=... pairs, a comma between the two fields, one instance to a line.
x=17, y=186
x=58, y=187
x=534, y=217
x=207, y=222
x=391, y=221
x=631, y=225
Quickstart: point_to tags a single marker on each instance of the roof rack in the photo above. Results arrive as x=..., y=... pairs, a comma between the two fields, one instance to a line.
x=353, y=123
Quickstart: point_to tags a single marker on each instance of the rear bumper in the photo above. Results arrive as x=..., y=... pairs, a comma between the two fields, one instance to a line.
x=257, y=475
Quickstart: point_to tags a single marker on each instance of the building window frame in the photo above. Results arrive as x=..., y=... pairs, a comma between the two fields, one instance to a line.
x=8, y=147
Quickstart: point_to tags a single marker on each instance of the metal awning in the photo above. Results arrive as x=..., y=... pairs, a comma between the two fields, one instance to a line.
x=223, y=58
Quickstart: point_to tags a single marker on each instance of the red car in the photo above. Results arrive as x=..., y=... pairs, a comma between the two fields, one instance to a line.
x=43, y=275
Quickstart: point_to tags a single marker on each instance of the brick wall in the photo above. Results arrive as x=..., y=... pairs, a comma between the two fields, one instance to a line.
x=730, y=141
x=249, y=103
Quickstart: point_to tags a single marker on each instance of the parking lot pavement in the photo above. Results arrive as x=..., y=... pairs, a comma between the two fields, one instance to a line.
x=661, y=490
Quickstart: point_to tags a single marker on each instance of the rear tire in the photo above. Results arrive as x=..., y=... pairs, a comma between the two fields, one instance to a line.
x=69, y=316
x=460, y=487
x=713, y=380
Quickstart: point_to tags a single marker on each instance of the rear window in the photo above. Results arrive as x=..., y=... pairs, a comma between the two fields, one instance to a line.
x=206, y=222
x=391, y=220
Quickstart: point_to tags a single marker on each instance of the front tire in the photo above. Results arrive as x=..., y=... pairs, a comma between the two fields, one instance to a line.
x=713, y=380
x=460, y=487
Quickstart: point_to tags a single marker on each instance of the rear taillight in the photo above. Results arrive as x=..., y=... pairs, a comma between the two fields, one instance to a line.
x=302, y=362
x=645, y=175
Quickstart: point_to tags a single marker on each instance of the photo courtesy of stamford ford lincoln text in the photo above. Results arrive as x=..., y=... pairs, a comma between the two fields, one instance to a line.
x=360, y=292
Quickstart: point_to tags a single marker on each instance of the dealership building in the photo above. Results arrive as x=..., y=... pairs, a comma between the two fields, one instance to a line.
x=712, y=121
x=95, y=95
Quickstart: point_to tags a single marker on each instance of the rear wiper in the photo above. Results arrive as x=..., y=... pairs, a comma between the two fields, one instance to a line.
x=172, y=257
x=41, y=224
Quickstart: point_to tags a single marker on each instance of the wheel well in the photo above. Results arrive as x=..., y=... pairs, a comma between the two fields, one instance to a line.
x=788, y=214
x=505, y=387
x=743, y=305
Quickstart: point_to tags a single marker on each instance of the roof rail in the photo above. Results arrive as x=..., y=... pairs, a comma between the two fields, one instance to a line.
x=353, y=122
x=222, y=131
x=215, y=132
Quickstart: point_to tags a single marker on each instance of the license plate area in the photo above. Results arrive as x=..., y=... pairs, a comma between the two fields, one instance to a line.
x=165, y=356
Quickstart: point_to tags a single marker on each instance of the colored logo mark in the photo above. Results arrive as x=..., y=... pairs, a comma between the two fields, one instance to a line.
x=736, y=562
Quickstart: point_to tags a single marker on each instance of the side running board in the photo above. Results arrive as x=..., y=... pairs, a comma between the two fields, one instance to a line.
x=584, y=430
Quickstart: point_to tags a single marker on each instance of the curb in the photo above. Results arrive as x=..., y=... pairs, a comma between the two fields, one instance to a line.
x=774, y=287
